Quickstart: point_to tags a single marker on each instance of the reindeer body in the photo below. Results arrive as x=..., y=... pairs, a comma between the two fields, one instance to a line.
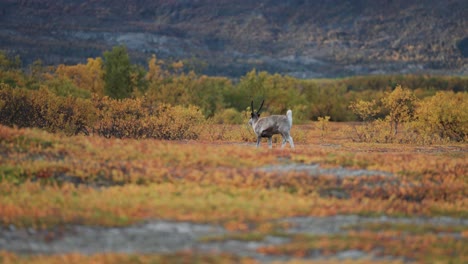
x=272, y=125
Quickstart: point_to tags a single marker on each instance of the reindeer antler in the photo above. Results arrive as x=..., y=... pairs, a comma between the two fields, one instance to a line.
x=258, y=112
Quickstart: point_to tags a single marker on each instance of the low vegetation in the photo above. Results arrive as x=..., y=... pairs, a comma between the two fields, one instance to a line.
x=177, y=147
x=50, y=180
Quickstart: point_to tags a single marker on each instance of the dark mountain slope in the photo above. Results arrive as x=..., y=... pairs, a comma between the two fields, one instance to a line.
x=299, y=37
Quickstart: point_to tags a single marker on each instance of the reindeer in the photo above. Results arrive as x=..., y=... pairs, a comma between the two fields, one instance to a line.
x=271, y=125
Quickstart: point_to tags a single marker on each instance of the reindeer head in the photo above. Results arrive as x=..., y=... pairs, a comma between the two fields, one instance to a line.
x=255, y=115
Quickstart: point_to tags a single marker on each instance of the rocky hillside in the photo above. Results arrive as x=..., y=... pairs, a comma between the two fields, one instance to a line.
x=316, y=38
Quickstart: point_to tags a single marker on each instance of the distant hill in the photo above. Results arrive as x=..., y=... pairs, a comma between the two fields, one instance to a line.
x=316, y=38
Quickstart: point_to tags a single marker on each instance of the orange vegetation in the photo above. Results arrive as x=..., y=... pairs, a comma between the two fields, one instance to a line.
x=50, y=179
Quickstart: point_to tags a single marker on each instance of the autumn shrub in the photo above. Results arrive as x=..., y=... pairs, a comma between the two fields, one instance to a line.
x=365, y=110
x=398, y=108
x=135, y=118
x=176, y=122
x=70, y=115
x=119, y=118
x=436, y=119
x=228, y=116
x=43, y=109
x=443, y=116
x=17, y=108
x=400, y=105
x=127, y=118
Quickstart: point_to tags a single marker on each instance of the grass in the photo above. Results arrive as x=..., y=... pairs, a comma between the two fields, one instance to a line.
x=49, y=179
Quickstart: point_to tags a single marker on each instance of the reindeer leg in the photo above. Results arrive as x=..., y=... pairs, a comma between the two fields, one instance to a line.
x=269, y=143
x=284, y=141
x=258, y=141
x=291, y=142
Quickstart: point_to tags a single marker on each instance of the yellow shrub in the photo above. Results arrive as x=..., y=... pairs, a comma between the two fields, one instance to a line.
x=228, y=116
x=400, y=104
x=365, y=110
x=443, y=116
x=133, y=118
x=177, y=122
x=437, y=119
